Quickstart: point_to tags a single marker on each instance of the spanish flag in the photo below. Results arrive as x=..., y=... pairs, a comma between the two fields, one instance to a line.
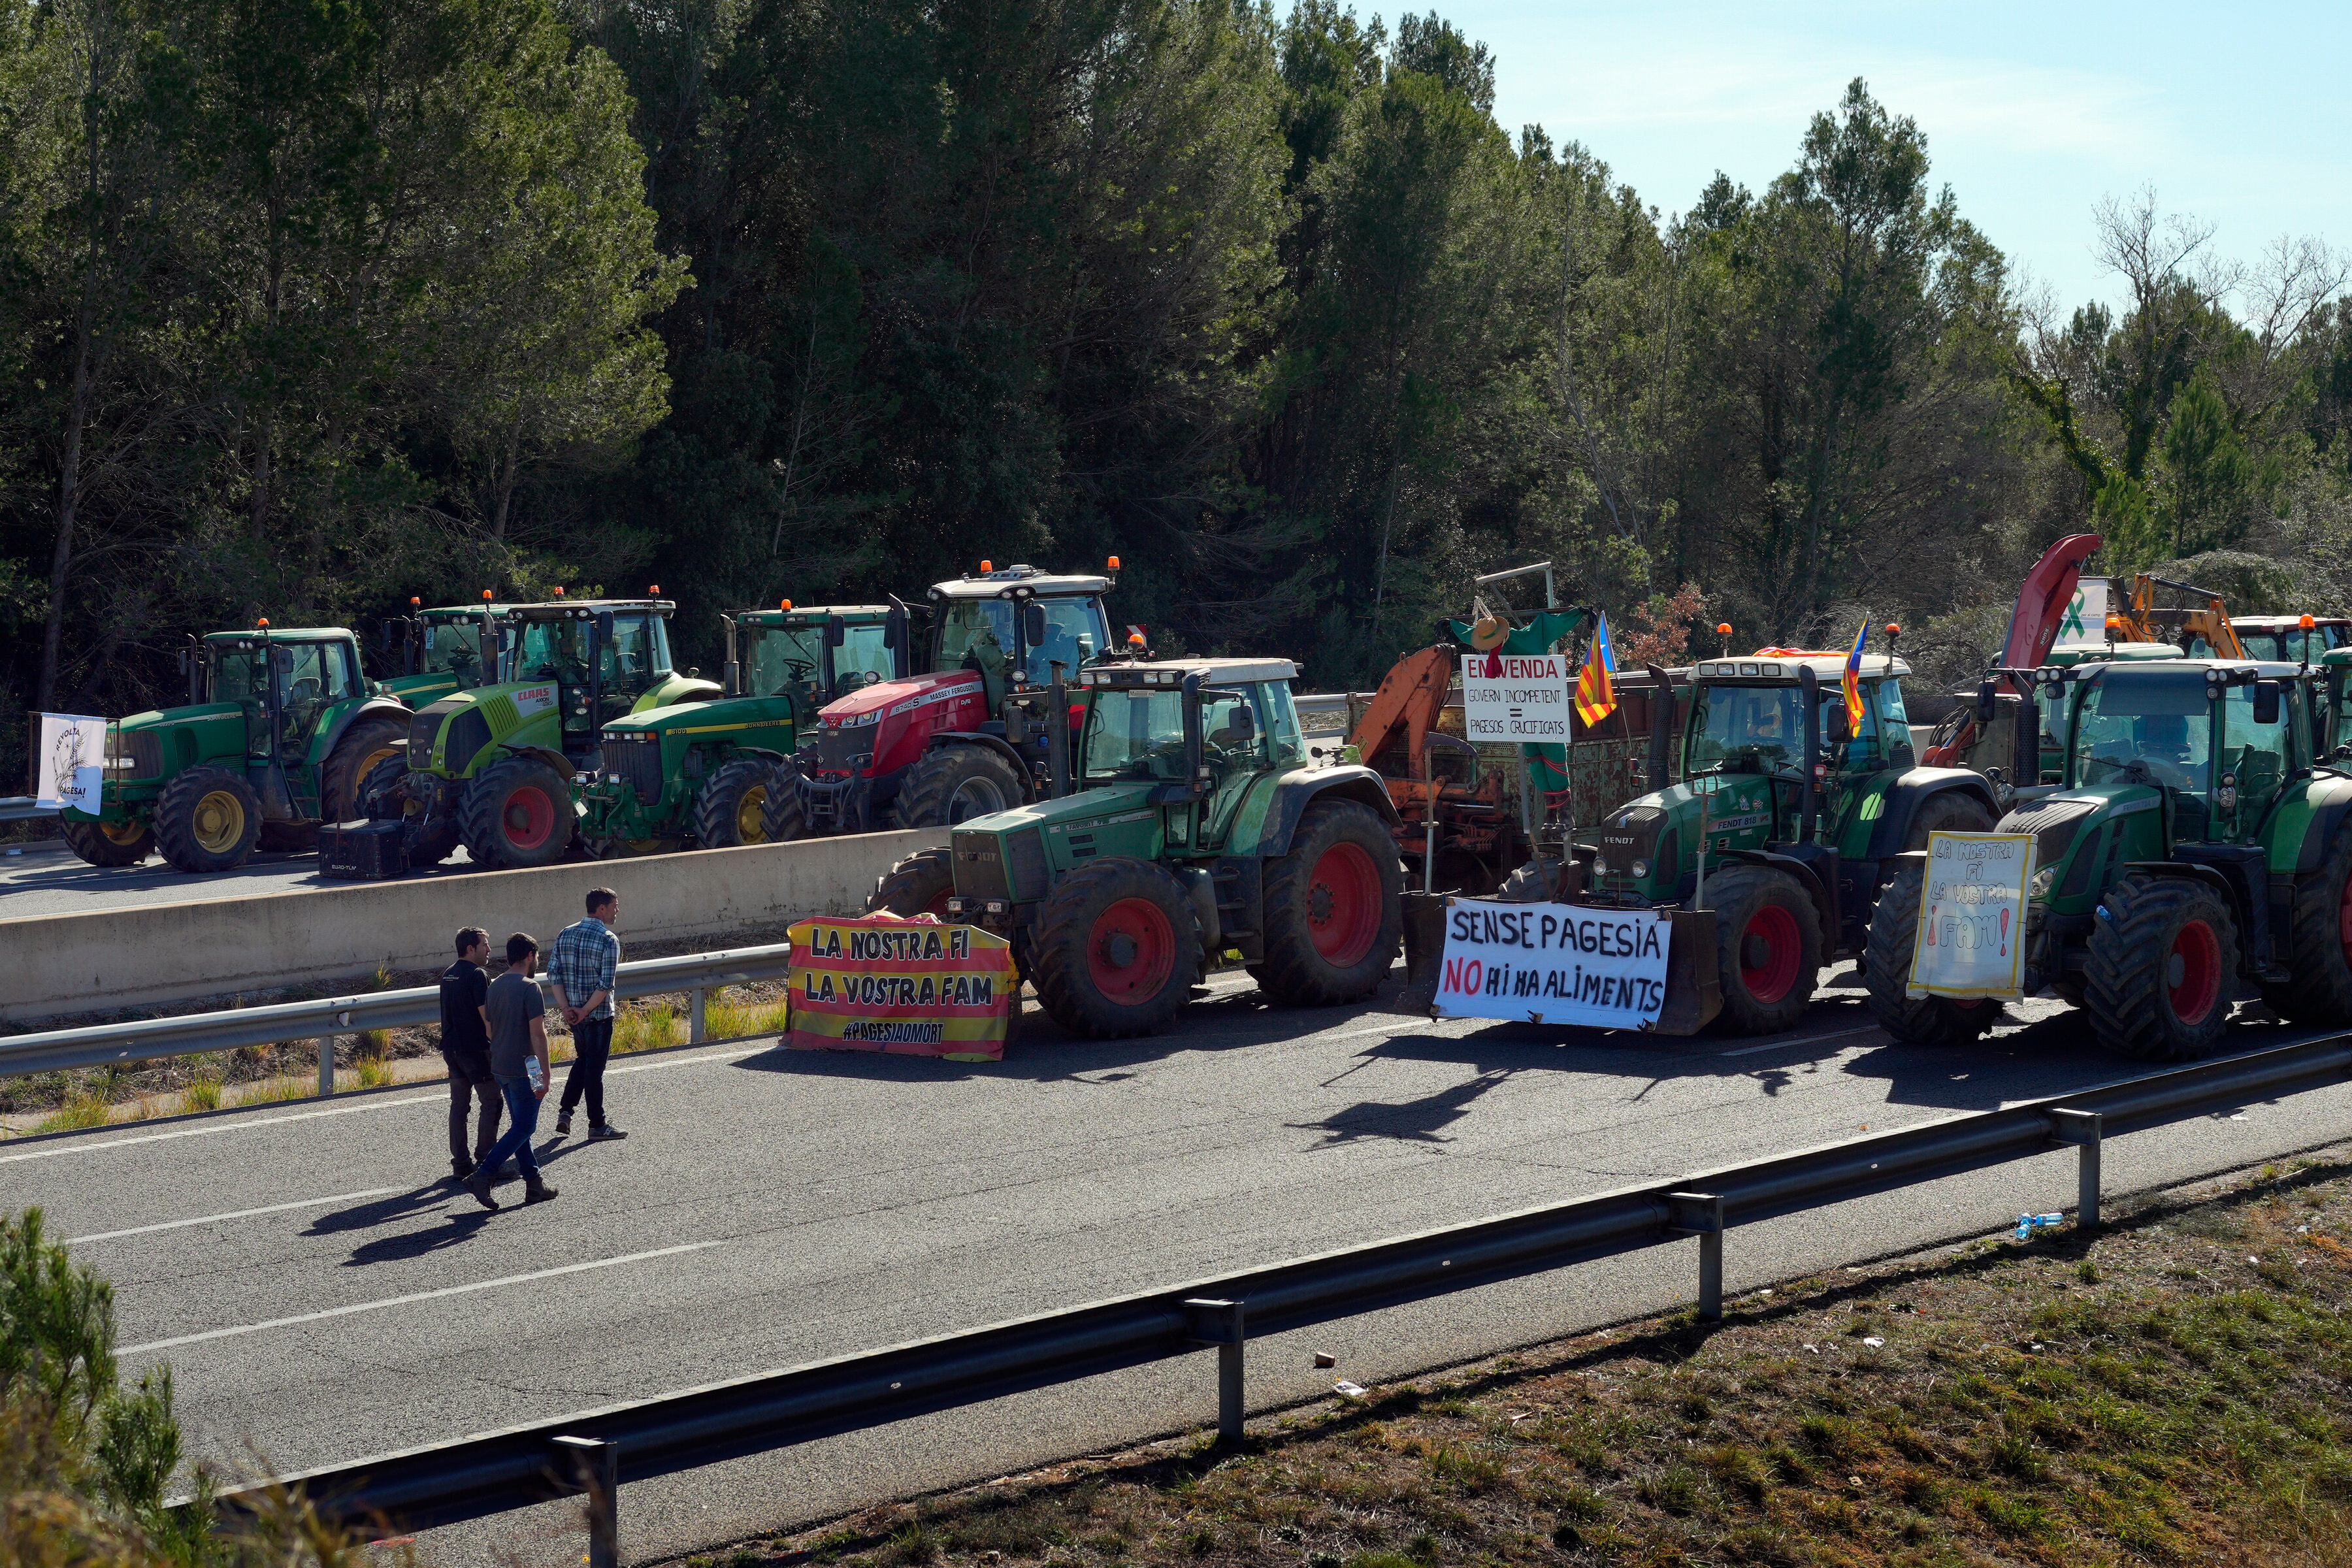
x=1596, y=695
x=1854, y=681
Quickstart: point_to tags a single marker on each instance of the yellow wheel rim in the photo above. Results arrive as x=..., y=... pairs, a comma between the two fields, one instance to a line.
x=124, y=832
x=220, y=822
x=368, y=763
x=751, y=816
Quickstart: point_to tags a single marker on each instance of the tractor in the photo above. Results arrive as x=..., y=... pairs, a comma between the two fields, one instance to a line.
x=2199, y=839
x=492, y=768
x=1198, y=830
x=720, y=773
x=974, y=736
x=439, y=650
x=279, y=729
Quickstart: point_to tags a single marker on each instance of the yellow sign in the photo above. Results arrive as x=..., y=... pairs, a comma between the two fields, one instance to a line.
x=913, y=987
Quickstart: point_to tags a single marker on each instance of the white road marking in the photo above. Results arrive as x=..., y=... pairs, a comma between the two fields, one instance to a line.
x=233, y=1214
x=722, y=1056
x=416, y=1296
x=1801, y=1040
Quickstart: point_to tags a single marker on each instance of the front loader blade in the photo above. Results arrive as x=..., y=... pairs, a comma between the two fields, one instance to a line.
x=1424, y=952
x=1694, y=986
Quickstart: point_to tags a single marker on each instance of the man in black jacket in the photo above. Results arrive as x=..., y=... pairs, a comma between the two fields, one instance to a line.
x=466, y=1046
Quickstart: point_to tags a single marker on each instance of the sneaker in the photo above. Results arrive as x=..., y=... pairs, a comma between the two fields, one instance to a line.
x=461, y=1167
x=478, y=1184
x=563, y=1125
x=536, y=1193
x=604, y=1133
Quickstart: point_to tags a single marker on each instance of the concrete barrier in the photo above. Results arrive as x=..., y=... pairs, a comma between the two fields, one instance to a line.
x=54, y=966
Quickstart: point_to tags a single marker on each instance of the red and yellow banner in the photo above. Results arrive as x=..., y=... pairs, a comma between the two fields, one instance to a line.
x=914, y=987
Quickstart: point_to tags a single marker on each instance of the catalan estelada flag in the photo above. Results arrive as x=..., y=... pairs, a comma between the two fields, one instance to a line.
x=1596, y=694
x=1854, y=681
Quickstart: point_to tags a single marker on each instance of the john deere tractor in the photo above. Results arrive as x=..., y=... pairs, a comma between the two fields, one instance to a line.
x=1199, y=829
x=1797, y=821
x=2198, y=840
x=721, y=773
x=440, y=650
x=493, y=768
x=278, y=731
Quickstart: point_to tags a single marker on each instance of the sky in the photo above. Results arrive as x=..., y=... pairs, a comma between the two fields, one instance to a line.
x=2237, y=115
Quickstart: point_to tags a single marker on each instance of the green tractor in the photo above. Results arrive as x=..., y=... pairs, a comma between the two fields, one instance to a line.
x=279, y=729
x=1199, y=829
x=439, y=651
x=493, y=768
x=721, y=773
x=1783, y=823
x=2198, y=839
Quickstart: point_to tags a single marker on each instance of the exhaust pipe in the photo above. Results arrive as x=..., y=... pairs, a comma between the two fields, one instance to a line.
x=1809, y=694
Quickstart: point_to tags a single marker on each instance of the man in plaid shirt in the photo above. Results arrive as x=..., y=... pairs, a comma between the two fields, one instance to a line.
x=581, y=968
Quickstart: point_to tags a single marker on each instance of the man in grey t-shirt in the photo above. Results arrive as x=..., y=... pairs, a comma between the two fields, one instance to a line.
x=517, y=1014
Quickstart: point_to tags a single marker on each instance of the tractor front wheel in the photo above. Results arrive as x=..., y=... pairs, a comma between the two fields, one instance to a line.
x=383, y=797
x=363, y=748
x=2319, y=944
x=207, y=819
x=1949, y=812
x=2162, y=957
x=107, y=843
x=921, y=884
x=1768, y=948
x=952, y=784
x=1886, y=969
x=734, y=807
x=517, y=814
x=1334, y=911
x=1117, y=948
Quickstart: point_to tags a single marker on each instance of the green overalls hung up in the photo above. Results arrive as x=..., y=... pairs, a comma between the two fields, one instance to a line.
x=1542, y=634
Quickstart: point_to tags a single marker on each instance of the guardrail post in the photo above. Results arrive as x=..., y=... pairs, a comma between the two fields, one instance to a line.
x=596, y=1466
x=326, y=1064
x=694, y=1015
x=1701, y=1214
x=1219, y=1323
x=2081, y=1128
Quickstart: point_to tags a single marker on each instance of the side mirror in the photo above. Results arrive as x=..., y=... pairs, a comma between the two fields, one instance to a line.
x=2266, y=702
x=1838, y=732
x=836, y=632
x=1032, y=623
x=1987, y=704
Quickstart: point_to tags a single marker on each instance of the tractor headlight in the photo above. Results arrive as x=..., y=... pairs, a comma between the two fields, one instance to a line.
x=1600, y=865
x=1640, y=870
x=2044, y=881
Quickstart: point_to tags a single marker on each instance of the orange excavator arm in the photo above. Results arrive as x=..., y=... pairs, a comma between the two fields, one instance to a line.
x=2146, y=622
x=1410, y=698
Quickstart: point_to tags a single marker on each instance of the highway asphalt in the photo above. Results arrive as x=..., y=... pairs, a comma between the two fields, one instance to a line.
x=322, y=1293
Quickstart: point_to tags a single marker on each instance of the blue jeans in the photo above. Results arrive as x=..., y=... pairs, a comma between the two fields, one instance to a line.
x=522, y=1118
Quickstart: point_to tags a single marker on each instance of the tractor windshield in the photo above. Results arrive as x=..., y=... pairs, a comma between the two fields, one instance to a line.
x=1076, y=630
x=453, y=648
x=238, y=675
x=863, y=658
x=2150, y=727
x=782, y=657
x=1745, y=730
x=636, y=656
x=1134, y=736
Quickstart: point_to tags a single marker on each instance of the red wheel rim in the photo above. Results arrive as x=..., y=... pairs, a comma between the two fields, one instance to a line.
x=939, y=905
x=1131, y=951
x=527, y=817
x=1343, y=904
x=1770, y=949
x=2193, y=976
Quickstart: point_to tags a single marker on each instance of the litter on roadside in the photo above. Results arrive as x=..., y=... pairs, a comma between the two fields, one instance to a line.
x=2027, y=1224
x=1346, y=1390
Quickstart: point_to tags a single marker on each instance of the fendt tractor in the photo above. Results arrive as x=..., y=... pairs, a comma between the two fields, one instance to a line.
x=2199, y=839
x=279, y=730
x=720, y=774
x=492, y=768
x=1200, y=829
x=975, y=735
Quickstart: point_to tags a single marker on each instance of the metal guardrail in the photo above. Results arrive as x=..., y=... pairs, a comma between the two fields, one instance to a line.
x=111, y=1044
x=20, y=809
x=592, y=1451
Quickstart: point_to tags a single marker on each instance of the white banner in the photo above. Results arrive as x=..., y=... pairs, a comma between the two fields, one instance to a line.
x=1554, y=964
x=2086, y=614
x=71, y=762
x=1509, y=698
x=1972, y=916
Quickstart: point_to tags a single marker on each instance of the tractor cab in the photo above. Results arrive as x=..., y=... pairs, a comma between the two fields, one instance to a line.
x=284, y=684
x=2291, y=639
x=441, y=650
x=812, y=655
x=1014, y=624
x=605, y=656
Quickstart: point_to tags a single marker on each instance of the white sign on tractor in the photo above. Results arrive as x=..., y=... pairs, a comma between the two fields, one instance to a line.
x=1514, y=698
x=2086, y=614
x=1554, y=964
x=71, y=762
x=1971, y=941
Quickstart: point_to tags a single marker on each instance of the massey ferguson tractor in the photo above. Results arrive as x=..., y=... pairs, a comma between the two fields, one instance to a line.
x=979, y=733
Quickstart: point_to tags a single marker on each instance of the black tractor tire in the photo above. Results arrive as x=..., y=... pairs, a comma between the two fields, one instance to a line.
x=2318, y=950
x=1117, y=948
x=517, y=814
x=921, y=884
x=1952, y=811
x=379, y=797
x=734, y=807
x=206, y=820
x=108, y=843
x=2162, y=957
x=1768, y=953
x=363, y=748
x=382, y=798
x=1886, y=972
x=1334, y=915
x=954, y=782
x=787, y=808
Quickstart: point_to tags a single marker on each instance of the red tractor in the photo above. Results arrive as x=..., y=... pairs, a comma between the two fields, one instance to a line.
x=988, y=729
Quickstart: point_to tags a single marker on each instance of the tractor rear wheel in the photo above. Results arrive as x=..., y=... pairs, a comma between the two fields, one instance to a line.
x=516, y=814
x=1117, y=949
x=1768, y=948
x=107, y=843
x=1950, y=812
x=733, y=806
x=363, y=748
x=953, y=782
x=207, y=819
x=1334, y=914
x=2319, y=944
x=1886, y=969
x=921, y=884
x=2156, y=985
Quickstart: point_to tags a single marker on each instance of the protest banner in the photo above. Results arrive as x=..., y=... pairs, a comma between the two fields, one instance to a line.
x=70, y=762
x=1511, y=699
x=1972, y=916
x=911, y=987
x=2085, y=619
x=1554, y=964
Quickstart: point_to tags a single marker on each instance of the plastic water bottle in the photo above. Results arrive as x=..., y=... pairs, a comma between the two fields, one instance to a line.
x=539, y=1081
x=2027, y=1224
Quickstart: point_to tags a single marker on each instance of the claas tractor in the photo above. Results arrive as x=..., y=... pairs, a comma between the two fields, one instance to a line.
x=492, y=768
x=279, y=729
x=2198, y=840
x=1198, y=829
x=975, y=735
x=718, y=773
